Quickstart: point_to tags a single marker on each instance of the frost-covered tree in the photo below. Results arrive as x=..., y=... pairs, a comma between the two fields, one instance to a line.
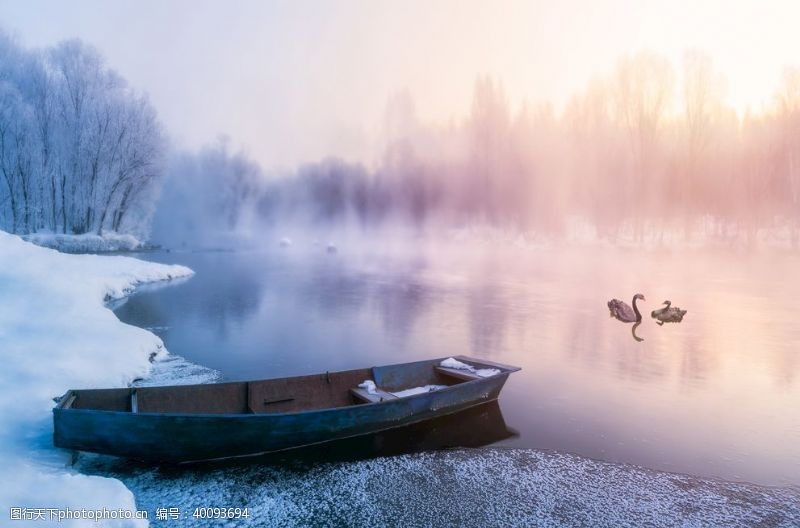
x=80, y=151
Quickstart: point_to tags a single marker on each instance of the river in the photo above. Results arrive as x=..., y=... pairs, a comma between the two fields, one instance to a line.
x=714, y=396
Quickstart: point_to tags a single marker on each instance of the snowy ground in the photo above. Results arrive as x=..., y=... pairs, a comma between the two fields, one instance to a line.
x=463, y=488
x=56, y=333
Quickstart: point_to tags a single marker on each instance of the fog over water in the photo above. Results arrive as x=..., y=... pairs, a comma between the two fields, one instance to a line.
x=639, y=157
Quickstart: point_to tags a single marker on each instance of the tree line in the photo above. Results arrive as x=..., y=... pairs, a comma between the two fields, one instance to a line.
x=642, y=151
x=645, y=151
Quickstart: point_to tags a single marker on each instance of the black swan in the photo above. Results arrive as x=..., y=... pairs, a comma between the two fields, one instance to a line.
x=623, y=312
x=668, y=314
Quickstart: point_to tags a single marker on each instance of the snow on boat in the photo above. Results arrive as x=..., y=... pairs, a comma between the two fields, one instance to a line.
x=186, y=423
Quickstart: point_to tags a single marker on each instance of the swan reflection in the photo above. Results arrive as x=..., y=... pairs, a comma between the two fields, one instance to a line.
x=633, y=332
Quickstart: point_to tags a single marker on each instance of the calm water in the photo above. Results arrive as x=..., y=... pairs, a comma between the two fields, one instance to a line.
x=717, y=395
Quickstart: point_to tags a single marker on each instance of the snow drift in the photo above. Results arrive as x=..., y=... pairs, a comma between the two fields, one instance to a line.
x=85, y=243
x=56, y=333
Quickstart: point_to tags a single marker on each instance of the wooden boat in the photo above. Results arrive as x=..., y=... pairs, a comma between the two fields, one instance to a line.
x=185, y=423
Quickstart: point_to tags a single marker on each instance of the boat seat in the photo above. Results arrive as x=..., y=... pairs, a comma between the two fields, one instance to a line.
x=456, y=373
x=379, y=396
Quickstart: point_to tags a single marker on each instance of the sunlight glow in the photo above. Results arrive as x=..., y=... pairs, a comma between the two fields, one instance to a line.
x=302, y=80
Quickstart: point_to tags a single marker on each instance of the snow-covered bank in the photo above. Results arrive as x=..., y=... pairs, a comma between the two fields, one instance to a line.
x=466, y=487
x=56, y=333
x=86, y=243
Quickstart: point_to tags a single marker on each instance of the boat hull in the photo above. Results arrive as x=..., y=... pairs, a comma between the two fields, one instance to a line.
x=172, y=437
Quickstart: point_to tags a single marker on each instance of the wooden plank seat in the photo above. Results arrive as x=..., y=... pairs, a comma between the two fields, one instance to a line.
x=456, y=373
x=379, y=396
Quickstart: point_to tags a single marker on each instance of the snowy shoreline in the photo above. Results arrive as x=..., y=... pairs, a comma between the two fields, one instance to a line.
x=58, y=332
x=108, y=242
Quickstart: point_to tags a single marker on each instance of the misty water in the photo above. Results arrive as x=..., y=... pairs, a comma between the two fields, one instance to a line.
x=715, y=396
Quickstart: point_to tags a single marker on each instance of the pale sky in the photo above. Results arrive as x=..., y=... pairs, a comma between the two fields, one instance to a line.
x=294, y=81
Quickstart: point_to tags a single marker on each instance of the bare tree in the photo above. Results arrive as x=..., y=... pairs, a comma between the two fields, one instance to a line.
x=789, y=111
x=644, y=89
